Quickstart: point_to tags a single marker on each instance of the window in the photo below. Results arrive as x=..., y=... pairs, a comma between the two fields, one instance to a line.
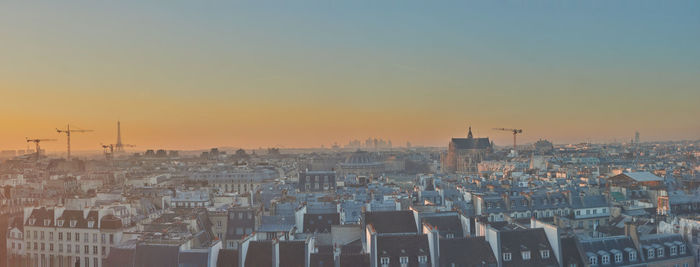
x=526, y=255
x=673, y=250
x=68, y=236
x=403, y=260
x=77, y=237
x=73, y=223
x=507, y=256
x=650, y=253
x=593, y=260
x=43, y=246
x=422, y=259
x=94, y=250
x=86, y=237
x=60, y=236
x=87, y=262
x=111, y=238
x=68, y=248
x=682, y=246
x=103, y=239
x=87, y=249
x=60, y=247
x=50, y=235
x=94, y=262
x=51, y=247
x=42, y=235
x=104, y=251
x=94, y=238
x=618, y=257
x=450, y=236
x=660, y=252
x=544, y=254
x=91, y=224
x=385, y=261
x=59, y=223
x=605, y=259
x=77, y=249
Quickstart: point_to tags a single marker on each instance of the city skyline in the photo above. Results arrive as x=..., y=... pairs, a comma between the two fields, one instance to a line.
x=250, y=74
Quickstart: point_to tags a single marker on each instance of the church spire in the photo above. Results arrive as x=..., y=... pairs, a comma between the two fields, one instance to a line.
x=469, y=135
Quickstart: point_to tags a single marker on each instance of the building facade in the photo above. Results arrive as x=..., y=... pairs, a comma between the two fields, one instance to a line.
x=464, y=154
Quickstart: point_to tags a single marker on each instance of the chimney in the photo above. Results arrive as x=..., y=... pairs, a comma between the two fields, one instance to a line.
x=631, y=231
x=434, y=243
x=275, y=253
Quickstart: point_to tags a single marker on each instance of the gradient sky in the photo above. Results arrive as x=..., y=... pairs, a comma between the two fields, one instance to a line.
x=198, y=74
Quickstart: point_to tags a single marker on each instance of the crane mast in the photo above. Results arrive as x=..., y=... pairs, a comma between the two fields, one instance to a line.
x=515, y=134
x=38, y=148
x=68, y=131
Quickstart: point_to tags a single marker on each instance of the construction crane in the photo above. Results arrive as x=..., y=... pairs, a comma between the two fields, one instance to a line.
x=68, y=131
x=110, y=154
x=38, y=148
x=515, y=133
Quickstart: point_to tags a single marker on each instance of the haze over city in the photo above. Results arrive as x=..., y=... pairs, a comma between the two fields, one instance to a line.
x=192, y=75
x=350, y=133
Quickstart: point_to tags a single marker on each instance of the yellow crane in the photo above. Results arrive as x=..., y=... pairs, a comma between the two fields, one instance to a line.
x=68, y=131
x=38, y=148
x=515, y=133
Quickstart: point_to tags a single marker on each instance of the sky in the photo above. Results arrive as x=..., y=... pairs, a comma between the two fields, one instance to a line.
x=200, y=74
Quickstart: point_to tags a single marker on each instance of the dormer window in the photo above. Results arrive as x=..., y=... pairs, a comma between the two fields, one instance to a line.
x=650, y=253
x=59, y=223
x=544, y=254
x=422, y=259
x=403, y=260
x=91, y=224
x=633, y=255
x=32, y=221
x=682, y=246
x=47, y=222
x=618, y=257
x=526, y=255
x=660, y=252
x=384, y=261
x=73, y=223
x=673, y=250
x=605, y=259
x=450, y=236
x=507, y=256
x=593, y=260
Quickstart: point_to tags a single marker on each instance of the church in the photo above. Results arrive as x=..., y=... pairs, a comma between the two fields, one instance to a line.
x=464, y=154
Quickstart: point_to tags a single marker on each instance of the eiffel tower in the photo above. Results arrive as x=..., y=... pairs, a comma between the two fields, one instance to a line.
x=119, y=147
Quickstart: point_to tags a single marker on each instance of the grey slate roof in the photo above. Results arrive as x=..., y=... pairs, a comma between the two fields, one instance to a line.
x=471, y=143
x=452, y=251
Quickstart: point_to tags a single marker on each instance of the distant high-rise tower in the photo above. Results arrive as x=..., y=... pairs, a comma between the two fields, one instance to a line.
x=636, y=137
x=119, y=146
